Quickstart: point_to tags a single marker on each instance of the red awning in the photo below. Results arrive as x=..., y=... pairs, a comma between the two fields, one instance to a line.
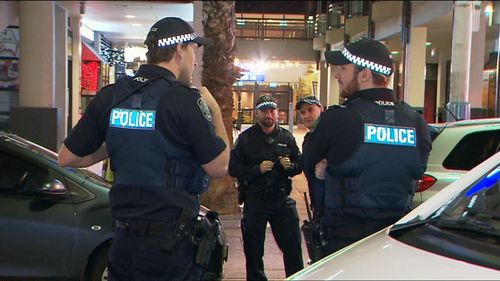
x=89, y=54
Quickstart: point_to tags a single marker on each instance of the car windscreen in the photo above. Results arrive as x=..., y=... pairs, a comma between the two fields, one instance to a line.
x=466, y=228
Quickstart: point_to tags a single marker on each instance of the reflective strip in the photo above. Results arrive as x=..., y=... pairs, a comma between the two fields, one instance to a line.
x=391, y=135
x=366, y=63
x=267, y=103
x=176, y=39
x=132, y=119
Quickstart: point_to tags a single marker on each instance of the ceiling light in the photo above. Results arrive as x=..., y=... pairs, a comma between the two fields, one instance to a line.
x=130, y=16
x=137, y=24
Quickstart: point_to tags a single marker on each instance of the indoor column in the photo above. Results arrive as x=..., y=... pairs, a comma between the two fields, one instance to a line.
x=459, y=104
x=415, y=68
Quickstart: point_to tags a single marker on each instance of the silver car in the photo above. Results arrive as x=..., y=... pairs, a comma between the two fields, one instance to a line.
x=457, y=147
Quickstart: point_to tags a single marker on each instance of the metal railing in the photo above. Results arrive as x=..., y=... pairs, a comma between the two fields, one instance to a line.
x=274, y=28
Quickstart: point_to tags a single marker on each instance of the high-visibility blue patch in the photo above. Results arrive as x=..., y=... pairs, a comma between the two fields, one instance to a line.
x=392, y=135
x=132, y=119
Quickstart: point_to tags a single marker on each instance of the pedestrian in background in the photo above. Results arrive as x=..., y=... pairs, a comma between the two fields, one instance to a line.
x=263, y=159
x=163, y=138
x=376, y=147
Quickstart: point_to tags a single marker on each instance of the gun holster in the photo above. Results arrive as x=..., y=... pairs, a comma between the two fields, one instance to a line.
x=182, y=227
x=211, y=251
x=242, y=188
x=314, y=239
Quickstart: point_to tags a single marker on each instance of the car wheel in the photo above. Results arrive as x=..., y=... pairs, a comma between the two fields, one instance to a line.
x=98, y=267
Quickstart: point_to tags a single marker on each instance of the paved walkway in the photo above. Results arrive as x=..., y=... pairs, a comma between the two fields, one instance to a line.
x=234, y=269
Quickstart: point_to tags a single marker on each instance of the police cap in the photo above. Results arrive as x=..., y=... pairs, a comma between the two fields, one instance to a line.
x=172, y=30
x=366, y=53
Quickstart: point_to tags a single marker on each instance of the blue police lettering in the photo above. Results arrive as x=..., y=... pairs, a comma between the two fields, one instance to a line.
x=132, y=119
x=391, y=135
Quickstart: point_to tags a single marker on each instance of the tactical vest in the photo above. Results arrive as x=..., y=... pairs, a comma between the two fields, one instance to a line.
x=152, y=175
x=381, y=174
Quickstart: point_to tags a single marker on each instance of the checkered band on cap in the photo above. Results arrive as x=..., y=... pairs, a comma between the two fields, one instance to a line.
x=310, y=101
x=366, y=63
x=267, y=104
x=176, y=39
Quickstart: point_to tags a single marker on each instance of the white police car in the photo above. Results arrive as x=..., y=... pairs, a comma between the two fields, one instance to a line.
x=453, y=235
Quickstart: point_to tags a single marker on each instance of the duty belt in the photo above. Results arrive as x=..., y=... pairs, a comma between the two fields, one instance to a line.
x=145, y=227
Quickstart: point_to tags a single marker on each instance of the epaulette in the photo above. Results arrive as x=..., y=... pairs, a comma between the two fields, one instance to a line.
x=335, y=106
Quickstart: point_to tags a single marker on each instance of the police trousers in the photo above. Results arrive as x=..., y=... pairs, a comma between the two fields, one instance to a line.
x=138, y=257
x=281, y=213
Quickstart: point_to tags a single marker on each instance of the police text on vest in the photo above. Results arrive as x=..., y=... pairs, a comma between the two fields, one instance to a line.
x=132, y=119
x=391, y=135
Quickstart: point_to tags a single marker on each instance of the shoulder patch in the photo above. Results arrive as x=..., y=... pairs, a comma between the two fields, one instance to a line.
x=335, y=106
x=204, y=109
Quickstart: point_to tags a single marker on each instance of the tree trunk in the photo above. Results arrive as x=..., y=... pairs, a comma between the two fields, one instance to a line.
x=219, y=74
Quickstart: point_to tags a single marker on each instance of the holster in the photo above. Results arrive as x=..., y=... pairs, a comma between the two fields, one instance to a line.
x=242, y=189
x=182, y=228
x=314, y=240
x=211, y=249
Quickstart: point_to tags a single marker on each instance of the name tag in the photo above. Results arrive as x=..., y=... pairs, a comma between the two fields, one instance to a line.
x=392, y=135
x=132, y=119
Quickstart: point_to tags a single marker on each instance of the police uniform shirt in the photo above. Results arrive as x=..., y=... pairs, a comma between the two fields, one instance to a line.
x=254, y=146
x=339, y=134
x=181, y=118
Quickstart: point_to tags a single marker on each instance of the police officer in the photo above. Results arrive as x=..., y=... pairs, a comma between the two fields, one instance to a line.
x=375, y=147
x=263, y=159
x=310, y=109
x=163, y=138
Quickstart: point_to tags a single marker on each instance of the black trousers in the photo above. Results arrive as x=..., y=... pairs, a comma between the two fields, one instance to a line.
x=281, y=213
x=135, y=257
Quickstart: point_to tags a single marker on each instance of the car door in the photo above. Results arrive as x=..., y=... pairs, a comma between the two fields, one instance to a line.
x=37, y=230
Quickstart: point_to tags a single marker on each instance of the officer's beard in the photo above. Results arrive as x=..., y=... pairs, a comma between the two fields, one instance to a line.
x=267, y=122
x=351, y=88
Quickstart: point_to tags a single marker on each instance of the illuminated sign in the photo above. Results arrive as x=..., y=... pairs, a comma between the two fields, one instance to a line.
x=252, y=77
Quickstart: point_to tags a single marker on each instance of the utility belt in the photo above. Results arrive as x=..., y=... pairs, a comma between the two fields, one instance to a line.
x=274, y=190
x=144, y=227
x=204, y=232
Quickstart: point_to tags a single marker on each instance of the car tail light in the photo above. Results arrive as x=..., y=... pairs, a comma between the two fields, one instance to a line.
x=425, y=183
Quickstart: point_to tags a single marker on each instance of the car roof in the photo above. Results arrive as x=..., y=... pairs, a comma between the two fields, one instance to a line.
x=26, y=144
x=471, y=122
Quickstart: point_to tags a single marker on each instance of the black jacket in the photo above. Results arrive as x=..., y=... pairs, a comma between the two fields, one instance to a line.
x=252, y=147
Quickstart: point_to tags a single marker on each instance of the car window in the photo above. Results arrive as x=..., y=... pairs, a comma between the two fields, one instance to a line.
x=17, y=173
x=473, y=149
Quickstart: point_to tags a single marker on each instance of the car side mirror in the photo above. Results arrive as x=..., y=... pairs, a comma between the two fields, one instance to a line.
x=55, y=187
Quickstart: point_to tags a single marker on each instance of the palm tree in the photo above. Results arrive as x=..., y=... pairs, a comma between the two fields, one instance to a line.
x=219, y=74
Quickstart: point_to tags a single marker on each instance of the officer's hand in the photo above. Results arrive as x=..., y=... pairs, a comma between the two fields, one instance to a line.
x=285, y=162
x=320, y=169
x=266, y=166
x=209, y=99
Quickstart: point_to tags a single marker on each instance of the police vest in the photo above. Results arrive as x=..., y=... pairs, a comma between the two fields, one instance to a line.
x=382, y=173
x=151, y=173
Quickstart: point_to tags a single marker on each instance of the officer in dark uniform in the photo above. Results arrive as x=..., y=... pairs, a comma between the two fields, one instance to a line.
x=263, y=159
x=310, y=110
x=375, y=147
x=163, y=138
